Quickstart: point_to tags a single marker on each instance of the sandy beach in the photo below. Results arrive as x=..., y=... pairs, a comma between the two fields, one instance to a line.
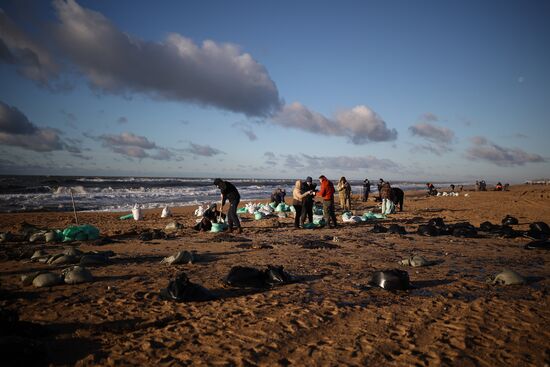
x=329, y=316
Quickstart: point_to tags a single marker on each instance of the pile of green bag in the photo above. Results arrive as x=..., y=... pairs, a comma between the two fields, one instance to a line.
x=282, y=207
x=242, y=210
x=84, y=232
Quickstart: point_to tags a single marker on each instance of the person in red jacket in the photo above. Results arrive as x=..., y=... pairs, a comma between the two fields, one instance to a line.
x=327, y=193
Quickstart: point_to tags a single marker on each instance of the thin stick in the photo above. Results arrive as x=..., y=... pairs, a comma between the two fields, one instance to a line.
x=74, y=207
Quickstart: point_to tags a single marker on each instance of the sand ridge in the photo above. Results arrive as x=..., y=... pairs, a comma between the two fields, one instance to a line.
x=328, y=317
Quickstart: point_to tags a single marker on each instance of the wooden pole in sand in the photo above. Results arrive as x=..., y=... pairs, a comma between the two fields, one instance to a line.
x=74, y=207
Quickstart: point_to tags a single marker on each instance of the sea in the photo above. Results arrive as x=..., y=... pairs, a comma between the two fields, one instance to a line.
x=120, y=194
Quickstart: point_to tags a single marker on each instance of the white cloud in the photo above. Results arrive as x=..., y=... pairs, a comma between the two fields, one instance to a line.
x=483, y=149
x=127, y=139
x=433, y=133
x=360, y=124
x=214, y=74
x=202, y=150
x=134, y=146
x=440, y=139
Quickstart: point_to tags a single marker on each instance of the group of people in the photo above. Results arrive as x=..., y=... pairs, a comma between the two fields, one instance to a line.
x=303, y=196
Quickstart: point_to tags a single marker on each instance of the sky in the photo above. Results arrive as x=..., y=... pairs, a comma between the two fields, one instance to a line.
x=422, y=91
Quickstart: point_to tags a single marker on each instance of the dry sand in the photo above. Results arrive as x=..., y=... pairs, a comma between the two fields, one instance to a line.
x=328, y=317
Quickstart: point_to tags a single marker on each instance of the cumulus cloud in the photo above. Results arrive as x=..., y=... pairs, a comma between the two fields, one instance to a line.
x=17, y=48
x=436, y=134
x=483, y=149
x=17, y=130
x=213, y=74
x=359, y=124
x=440, y=138
x=128, y=139
x=202, y=150
x=134, y=146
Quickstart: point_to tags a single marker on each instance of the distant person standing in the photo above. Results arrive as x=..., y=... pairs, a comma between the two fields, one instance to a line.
x=452, y=186
x=230, y=193
x=385, y=194
x=379, y=186
x=327, y=193
x=298, y=198
x=344, y=193
x=307, y=210
x=366, y=190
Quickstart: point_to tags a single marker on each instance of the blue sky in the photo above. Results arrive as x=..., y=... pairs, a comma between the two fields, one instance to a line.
x=428, y=90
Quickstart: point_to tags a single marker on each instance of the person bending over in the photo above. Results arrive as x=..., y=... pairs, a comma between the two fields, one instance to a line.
x=230, y=193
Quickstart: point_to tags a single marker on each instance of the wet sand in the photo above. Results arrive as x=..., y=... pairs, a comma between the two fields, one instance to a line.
x=328, y=317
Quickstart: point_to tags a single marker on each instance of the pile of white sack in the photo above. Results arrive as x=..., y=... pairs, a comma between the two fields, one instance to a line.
x=448, y=194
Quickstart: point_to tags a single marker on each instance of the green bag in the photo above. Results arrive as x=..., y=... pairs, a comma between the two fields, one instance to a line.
x=127, y=216
x=309, y=226
x=84, y=232
x=242, y=210
x=321, y=222
x=218, y=227
x=258, y=216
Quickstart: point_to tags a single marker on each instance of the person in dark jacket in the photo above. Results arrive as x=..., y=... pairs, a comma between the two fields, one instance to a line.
x=209, y=216
x=230, y=193
x=366, y=190
x=307, y=210
x=327, y=193
x=379, y=185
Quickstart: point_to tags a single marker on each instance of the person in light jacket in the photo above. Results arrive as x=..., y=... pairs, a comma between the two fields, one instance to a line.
x=298, y=198
x=344, y=193
x=385, y=194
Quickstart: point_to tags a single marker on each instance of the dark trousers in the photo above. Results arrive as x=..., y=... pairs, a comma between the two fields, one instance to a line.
x=328, y=211
x=298, y=216
x=232, y=218
x=307, y=210
x=365, y=195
